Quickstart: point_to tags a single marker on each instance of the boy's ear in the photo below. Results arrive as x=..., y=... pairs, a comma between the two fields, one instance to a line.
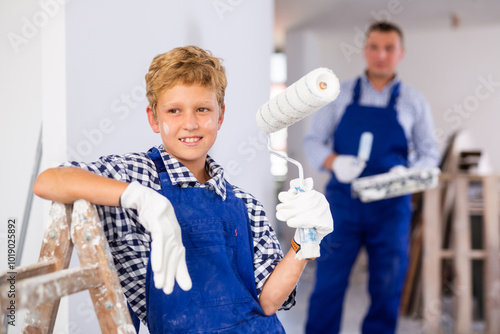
x=152, y=122
x=221, y=117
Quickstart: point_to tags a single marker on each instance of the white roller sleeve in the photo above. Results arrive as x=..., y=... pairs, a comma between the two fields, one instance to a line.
x=310, y=93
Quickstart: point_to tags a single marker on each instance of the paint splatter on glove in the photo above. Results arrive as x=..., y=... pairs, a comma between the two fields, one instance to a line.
x=347, y=167
x=168, y=255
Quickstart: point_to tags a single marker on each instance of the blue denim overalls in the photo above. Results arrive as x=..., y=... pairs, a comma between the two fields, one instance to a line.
x=382, y=226
x=219, y=256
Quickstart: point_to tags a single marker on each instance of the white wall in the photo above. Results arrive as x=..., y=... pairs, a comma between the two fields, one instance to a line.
x=458, y=72
x=449, y=66
x=21, y=113
x=20, y=122
x=86, y=79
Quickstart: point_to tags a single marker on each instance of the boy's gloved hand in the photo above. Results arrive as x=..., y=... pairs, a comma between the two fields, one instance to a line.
x=308, y=209
x=168, y=255
x=347, y=167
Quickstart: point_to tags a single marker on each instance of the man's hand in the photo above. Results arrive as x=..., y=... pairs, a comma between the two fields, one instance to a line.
x=168, y=255
x=347, y=167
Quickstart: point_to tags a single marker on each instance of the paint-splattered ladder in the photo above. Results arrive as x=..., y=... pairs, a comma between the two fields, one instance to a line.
x=460, y=253
x=40, y=286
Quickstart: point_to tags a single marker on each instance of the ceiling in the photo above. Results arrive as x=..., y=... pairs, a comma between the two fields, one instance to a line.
x=409, y=14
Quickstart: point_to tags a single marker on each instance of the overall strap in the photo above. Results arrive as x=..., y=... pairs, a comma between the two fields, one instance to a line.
x=357, y=92
x=394, y=95
x=155, y=155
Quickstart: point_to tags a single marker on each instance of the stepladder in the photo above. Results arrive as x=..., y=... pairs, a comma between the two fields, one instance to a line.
x=462, y=207
x=39, y=287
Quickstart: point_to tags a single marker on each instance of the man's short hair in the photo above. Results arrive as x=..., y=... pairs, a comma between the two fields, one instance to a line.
x=385, y=26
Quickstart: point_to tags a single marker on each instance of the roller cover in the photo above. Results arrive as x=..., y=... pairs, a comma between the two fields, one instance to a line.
x=299, y=100
x=393, y=184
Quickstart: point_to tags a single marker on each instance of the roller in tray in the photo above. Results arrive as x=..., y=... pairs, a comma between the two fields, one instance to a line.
x=393, y=184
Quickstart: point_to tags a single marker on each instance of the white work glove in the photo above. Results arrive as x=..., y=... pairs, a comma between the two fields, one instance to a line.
x=308, y=209
x=398, y=170
x=347, y=167
x=168, y=255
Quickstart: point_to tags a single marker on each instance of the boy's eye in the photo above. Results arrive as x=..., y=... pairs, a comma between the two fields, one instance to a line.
x=203, y=109
x=173, y=111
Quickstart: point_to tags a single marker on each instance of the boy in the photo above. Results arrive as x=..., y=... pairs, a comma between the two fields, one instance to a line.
x=208, y=236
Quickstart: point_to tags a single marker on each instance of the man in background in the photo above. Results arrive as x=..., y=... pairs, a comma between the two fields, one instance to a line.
x=400, y=121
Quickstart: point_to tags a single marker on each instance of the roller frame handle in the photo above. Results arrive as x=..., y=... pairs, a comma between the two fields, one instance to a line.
x=308, y=239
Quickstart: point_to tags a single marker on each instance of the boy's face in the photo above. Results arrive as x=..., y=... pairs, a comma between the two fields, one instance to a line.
x=188, y=121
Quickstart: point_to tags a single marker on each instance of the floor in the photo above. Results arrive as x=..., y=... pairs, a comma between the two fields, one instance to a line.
x=355, y=305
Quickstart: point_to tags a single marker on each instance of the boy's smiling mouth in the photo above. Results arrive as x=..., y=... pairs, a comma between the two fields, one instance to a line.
x=190, y=139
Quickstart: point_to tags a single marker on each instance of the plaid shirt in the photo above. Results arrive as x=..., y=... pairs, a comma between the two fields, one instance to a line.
x=130, y=242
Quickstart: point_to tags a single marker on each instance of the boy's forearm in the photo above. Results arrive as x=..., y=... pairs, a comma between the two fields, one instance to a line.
x=281, y=282
x=67, y=184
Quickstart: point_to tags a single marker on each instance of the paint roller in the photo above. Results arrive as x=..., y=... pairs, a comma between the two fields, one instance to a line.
x=392, y=184
x=307, y=95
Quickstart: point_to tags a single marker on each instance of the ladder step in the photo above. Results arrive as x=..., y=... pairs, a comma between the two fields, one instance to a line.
x=49, y=287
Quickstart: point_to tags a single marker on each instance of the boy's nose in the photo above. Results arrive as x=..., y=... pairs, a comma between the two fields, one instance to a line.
x=190, y=122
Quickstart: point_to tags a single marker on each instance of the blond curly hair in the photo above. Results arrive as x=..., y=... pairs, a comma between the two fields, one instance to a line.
x=185, y=65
